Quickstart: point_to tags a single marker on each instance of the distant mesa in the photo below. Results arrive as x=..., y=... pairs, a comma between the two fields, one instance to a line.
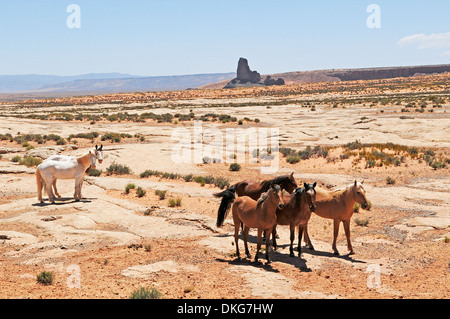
x=248, y=78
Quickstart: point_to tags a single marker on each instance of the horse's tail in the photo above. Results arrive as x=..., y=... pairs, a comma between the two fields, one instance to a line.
x=39, y=183
x=228, y=197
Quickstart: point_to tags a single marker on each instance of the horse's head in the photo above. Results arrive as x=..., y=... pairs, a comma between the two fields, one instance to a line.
x=99, y=153
x=310, y=195
x=275, y=189
x=290, y=184
x=359, y=194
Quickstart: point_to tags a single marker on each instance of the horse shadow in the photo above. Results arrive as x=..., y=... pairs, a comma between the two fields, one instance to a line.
x=346, y=257
x=275, y=256
x=63, y=201
x=280, y=255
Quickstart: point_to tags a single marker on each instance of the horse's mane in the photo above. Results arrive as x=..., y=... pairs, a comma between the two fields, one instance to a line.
x=298, y=196
x=280, y=180
x=261, y=199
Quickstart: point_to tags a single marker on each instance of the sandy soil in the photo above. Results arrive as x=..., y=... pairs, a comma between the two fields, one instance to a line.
x=112, y=243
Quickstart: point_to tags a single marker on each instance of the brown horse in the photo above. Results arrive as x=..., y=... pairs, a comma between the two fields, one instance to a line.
x=338, y=205
x=259, y=214
x=252, y=189
x=297, y=211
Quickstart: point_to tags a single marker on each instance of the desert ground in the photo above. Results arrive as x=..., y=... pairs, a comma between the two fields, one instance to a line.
x=392, y=134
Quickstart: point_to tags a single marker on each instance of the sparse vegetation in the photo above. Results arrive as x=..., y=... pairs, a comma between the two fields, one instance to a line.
x=45, y=278
x=145, y=293
x=94, y=172
x=161, y=194
x=390, y=180
x=129, y=187
x=234, y=167
x=175, y=202
x=118, y=169
x=140, y=192
x=362, y=221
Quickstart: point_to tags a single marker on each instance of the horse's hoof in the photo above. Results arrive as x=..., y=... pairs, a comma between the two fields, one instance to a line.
x=336, y=253
x=291, y=254
x=351, y=252
x=268, y=262
x=77, y=199
x=249, y=256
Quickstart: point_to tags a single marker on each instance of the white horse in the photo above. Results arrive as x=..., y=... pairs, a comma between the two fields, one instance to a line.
x=65, y=167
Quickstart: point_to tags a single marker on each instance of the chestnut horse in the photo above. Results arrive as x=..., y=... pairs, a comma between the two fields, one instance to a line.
x=252, y=189
x=297, y=211
x=338, y=205
x=259, y=214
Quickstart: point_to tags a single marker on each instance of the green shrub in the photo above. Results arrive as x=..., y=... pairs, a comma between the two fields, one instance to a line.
x=45, y=278
x=145, y=293
x=175, y=202
x=149, y=172
x=437, y=164
x=16, y=159
x=209, y=179
x=140, y=192
x=30, y=161
x=118, y=169
x=188, y=178
x=390, y=181
x=95, y=172
x=362, y=221
x=200, y=180
x=129, y=187
x=221, y=182
x=293, y=158
x=286, y=151
x=160, y=193
x=234, y=167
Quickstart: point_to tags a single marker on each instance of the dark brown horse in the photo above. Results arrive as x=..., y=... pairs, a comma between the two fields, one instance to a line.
x=259, y=214
x=297, y=211
x=252, y=189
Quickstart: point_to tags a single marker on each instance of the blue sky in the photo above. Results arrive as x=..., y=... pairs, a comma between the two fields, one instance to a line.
x=168, y=37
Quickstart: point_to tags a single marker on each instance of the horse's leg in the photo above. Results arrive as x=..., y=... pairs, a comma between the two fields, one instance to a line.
x=258, y=245
x=245, y=236
x=76, y=195
x=274, y=239
x=40, y=188
x=292, y=237
x=335, y=235
x=347, y=234
x=48, y=189
x=55, y=189
x=81, y=187
x=306, y=237
x=236, y=238
x=300, y=234
x=268, y=231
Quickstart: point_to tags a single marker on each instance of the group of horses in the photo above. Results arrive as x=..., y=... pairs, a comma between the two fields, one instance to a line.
x=264, y=205
x=261, y=205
